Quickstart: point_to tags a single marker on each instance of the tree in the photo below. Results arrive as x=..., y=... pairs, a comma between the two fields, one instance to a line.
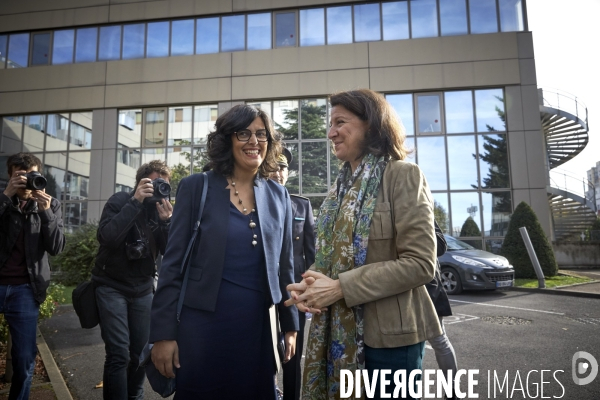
x=470, y=228
x=513, y=247
x=180, y=171
x=441, y=216
x=77, y=260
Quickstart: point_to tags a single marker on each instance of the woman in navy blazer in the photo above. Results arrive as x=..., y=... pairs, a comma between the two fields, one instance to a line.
x=240, y=266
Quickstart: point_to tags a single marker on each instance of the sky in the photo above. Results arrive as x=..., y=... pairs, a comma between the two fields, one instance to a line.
x=565, y=40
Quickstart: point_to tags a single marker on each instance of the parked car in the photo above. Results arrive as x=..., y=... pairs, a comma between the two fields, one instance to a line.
x=464, y=267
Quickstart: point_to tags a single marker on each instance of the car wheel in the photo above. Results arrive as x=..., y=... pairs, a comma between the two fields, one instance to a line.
x=451, y=281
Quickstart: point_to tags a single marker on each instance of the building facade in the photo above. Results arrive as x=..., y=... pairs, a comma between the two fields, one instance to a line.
x=98, y=87
x=593, y=177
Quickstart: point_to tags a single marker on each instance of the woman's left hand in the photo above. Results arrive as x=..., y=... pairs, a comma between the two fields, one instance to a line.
x=317, y=294
x=290, y=345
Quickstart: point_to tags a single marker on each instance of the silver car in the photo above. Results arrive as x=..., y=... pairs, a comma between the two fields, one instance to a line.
x=464, y=267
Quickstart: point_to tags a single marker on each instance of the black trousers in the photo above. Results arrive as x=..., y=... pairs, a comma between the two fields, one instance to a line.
x=292, y=373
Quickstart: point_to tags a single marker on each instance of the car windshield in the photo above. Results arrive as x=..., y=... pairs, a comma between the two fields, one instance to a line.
x=455, y=244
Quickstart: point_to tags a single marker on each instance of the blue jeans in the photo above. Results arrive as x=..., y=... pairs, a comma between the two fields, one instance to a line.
x=125, y=327
x=405, y=357
x=21, y=312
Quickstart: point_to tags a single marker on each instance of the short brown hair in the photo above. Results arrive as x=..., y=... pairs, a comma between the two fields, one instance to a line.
x=385, y=134
x=145, y=170
x=22, y=161
x=219, y=146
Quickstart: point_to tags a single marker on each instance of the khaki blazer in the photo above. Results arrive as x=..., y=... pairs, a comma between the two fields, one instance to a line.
x=401, y=257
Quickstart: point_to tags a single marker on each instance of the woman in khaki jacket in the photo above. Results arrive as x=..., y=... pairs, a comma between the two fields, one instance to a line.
x=376, y=248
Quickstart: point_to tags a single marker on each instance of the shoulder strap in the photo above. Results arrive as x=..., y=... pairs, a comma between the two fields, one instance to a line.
x=188, y=251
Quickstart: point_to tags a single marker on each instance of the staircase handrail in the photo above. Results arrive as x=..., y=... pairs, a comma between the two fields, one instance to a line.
x=565, y=101
x=572, y=183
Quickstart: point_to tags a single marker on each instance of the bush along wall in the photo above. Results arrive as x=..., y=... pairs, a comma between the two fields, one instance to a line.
x=514, y=248
x=76, y=261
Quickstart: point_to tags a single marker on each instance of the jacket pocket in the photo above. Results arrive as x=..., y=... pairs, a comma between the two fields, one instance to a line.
x=195, y=273
x=382, y=226
x=396, y=314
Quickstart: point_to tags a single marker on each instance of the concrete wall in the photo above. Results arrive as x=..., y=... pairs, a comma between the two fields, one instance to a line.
x=577, y=254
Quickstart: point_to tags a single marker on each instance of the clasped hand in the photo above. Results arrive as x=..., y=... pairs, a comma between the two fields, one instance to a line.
x=314, y=293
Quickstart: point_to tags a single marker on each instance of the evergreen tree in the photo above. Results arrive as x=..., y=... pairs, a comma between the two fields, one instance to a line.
x=470, y=228
x=513, y=247
x=441, y=216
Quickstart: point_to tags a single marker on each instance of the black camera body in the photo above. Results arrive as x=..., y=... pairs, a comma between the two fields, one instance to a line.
x=35, y=181
x=162, y=190
x=137, y=250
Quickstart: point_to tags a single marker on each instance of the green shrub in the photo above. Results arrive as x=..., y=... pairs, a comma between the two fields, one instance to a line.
x=76, y=261
x=514, y=248
x=470, y=228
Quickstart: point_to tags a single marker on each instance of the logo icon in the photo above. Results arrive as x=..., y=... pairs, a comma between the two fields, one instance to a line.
x=580, y=367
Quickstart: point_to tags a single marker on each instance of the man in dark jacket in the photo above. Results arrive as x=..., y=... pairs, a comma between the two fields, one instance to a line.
x=31, y=227
x=132, y=231
x=303, y=235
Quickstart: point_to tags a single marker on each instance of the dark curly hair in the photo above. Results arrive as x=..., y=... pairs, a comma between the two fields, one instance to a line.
x=147, y=169
x=22, y=161
x=219, y=146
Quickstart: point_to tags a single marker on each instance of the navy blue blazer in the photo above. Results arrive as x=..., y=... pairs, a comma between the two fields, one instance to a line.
x=206, y=266
x=303, y=232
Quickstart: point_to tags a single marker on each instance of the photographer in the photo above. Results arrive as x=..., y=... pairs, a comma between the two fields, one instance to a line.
x=31, y=227
x=133, y=229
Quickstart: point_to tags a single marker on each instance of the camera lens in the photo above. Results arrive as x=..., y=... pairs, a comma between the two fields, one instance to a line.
x=36, y=181
x=164, y=189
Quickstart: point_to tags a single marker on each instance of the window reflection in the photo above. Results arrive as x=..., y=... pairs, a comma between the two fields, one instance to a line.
x=154, y=127
x=18, y=48
x=403, y=104
x=441, y=211
x=33, y=134
x=312, y=27
x=133, y=41
x=40, y=51
x=158, y=39
x=12, y=127
x=62, y=47
x=285, y=29
x=483, y=17
x=496, y=210
x=431, y=157
x=395, y=20
x=81, y=131
x=339, y=25
x=110, y=43
x=152, y=154
x=200, y=159
x=55, y=165
x=85, y=45
x=511, y=15
x=179, y=161
x=293, y=182
x=466, y=215
x=128, y=161
x=493, y=161
x=180, y=126
x=423, y=18
x=233, y=29
x=313, y=118
x=285, y=118
x=493, y=245
x=430, y=117
x=367, y=22
x=459, y=112
x=489, y=108
x=314, y=170
x=78, y=177
x=204, y=122
x=57, y=132
x=75, y=215
x=461, y=162
x=453, y=17
x=259, y=31
x=207, y=35
x=182, y=39
x=130, y=127
x=3, y=46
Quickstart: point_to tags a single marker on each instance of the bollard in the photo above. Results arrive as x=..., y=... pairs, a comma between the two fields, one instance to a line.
x=533, y=258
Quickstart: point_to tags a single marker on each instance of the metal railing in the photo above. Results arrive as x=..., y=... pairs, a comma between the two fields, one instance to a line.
x=565, y=101
x=570, y=182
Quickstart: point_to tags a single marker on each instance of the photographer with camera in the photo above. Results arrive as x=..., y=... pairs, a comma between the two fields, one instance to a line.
x=31, y=227
x=132, y=231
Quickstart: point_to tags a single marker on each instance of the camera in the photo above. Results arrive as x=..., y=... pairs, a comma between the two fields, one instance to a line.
x=35, y=181
x=162, y=190
x=137, y=250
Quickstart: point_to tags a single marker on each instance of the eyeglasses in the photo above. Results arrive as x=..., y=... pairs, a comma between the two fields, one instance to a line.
x=245, y=135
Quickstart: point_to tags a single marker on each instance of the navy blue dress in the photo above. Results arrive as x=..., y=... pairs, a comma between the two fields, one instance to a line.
x=228, y=352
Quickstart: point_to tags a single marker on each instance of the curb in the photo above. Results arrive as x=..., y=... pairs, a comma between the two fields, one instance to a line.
x=56, y=378
x=559, y=292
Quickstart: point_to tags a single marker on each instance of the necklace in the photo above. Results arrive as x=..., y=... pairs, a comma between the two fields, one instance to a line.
x=252, y=224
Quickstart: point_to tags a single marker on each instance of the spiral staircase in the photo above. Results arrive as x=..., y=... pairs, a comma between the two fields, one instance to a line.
x=572, y=200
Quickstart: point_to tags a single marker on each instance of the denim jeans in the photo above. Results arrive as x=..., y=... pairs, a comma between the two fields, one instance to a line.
x=125, y=327
x=21, y=312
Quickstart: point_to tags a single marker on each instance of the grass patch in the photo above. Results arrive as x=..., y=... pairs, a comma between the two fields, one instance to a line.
x=559, y=280
x=66, y=293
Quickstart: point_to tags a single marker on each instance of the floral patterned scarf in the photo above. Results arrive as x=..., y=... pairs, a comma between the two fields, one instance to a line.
x=336, y=336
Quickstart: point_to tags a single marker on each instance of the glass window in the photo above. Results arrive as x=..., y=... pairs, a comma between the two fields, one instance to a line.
x=75, y=215
x=339, y=25
x=395, y=20
x=259, y=31
x=403, y=104
x=33, y=134
x=127, y=156
x=133, y=41
x=55, y=166
x=204, y=121
x=85, y=45
x=285, y=118
x=430, y=117
x=441, y=211
x=453, y=17
x=207, y=35
x=81, y=138
x=128, y=162
x=180, y=126
x=489, y=108
x=130, y=128
x=293, y=182
x=3, y=45
x=158, y=39
x=496, y=208
x=409, y=143
x=367, y=23
x=110, y=43
x=431, y=157
x=483, y=17
x=182, y=38
x=462, y=164
x=78, y=177
x=63, y=46
x=200, y=159
x=18, y=48
x=152, y=154
x=459, y=112
x=12, y=127
x=154, y=128
x=423, y=18
x=466, y=217
x=314, y=170
x=313, y=114
x=57, y=132
x=233, y=29
x=312, y=27
x=493, y=245
x=285, y=29
x=511, y=15
x=178, y=160
x=493, y=161
x=40, y=52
